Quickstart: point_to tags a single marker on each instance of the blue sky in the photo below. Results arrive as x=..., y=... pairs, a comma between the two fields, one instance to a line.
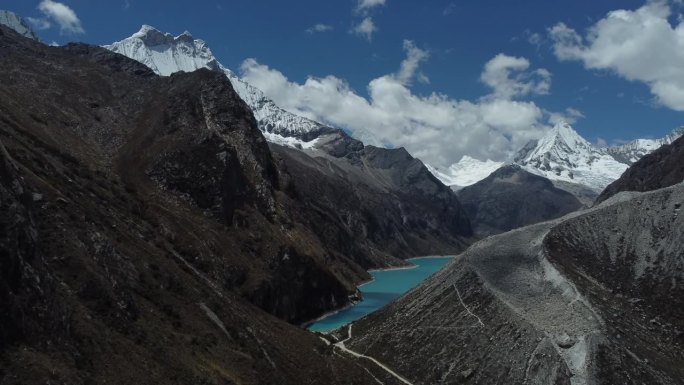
x=457, y=37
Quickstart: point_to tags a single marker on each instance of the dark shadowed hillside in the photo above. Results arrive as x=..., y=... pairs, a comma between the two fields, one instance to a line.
x=661, y=168
x=512, y=197
x=147, y=232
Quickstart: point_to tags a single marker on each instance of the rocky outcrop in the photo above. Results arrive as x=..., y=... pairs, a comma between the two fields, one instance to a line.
x=511, y=198
x=661, y=168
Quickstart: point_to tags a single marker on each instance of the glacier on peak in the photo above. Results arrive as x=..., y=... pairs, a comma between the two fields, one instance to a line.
x=166, y=54
x=18, y=24
x=564, y=155
x=465, y=172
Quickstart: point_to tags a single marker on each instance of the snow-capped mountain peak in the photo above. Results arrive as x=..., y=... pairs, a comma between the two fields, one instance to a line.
x=166, y=54
x=12, y=20
x=564, y=155
x=559, y=142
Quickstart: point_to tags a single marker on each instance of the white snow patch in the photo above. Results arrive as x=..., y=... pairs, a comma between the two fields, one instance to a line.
x=290, y=141
x=466, y=171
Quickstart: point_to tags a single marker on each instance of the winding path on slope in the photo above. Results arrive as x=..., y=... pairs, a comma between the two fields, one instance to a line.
x=341, y=346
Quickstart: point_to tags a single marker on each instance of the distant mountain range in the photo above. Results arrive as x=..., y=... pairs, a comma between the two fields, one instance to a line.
x=564, y=157
x=629, y=153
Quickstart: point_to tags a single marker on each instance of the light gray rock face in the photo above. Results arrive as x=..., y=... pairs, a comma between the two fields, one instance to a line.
x=13, y=21
x=595, y=297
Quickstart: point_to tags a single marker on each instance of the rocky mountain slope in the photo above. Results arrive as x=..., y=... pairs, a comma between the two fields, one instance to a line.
x=593, y=298
x=147, y=232
x=376, y=199
x=150, y=228
x=662, y=168
x=511, y=197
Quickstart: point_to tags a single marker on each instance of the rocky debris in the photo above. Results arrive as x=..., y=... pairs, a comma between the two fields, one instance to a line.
x=511, y=198
x=627, y=259
x=661, y=168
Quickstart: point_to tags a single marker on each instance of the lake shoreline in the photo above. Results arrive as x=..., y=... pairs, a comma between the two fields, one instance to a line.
x=398, y=270
x=331, y=313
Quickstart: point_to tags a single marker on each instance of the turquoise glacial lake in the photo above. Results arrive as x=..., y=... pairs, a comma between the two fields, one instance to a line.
x=386, y=286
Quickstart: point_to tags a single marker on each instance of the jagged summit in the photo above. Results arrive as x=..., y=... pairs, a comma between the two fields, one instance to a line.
x=564, y=155
x=14, y=21
x=153, y=37
x=166, y=54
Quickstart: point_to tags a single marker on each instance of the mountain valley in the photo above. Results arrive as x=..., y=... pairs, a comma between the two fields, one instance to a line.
x=164, y=221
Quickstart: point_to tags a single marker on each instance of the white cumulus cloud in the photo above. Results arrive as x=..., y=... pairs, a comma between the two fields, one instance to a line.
x=365, y=5
x=61, y=14
x=509, y=78
x=319, y=28
x=39, y=23
x=435, y=128
x=570, y=115
x=409, y=67
x=365, y=28
x=639, y=45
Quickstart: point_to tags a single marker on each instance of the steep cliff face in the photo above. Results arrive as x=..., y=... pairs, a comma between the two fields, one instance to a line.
x=661, y=168
x=23, y=278
x=140, y=216
x=511, y=198
x=374, y=204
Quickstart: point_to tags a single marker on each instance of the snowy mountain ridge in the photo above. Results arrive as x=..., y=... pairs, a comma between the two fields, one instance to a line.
x=166, y=54
x=631, y=152
x=12, y=20
x=562, y=156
